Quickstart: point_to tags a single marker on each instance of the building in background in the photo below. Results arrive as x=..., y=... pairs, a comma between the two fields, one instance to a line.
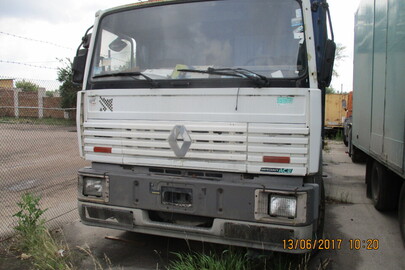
x=7, y=83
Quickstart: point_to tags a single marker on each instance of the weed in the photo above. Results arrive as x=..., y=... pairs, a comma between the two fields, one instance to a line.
x=237, y=260
x=96, y=261
x=338, y=135
x=326, y=147
x=49, y=254
x=30, y=224
x=342, y=197
x=35, y=243
x=34, y=240
x=323, y=264
x=226, y=260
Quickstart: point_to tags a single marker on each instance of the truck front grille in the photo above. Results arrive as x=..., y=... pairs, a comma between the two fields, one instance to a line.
x=232, y=147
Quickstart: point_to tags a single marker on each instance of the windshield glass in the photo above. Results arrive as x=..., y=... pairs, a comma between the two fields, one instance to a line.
x=162, y=42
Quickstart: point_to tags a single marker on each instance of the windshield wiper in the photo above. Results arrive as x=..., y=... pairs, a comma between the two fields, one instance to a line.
x=258, y=79
x=132, y=74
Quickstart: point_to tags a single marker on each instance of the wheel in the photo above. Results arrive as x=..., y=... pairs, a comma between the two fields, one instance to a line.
x=345, y=140
x=355, y=154
x=369, y=167
x=401, y=212
x=347, y=126
x=384, y=187
x=321, y=214
x=350, y=143
x=321, y=217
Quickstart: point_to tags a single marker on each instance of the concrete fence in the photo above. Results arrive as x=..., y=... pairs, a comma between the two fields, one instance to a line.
x=16, y=103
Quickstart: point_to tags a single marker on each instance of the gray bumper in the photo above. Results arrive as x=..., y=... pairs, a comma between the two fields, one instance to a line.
x=224, y=208
x=223, y=231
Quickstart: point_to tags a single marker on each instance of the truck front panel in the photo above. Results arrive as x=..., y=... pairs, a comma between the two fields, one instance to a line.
x=263, y=131
x=202, y=120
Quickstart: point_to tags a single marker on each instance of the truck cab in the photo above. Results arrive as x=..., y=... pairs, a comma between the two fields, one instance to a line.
x=203, y=120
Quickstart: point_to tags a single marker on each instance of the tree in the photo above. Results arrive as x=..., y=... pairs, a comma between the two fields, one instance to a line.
x=330, y=90
x=51, y=93
x=339, y=56
x=26, y=86
x=68, y=90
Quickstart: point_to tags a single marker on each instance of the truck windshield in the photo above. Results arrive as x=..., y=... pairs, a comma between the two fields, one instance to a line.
x=165, y=42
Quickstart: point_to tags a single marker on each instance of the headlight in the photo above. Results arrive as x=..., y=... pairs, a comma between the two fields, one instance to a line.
x=93, y=186
x=283, y=206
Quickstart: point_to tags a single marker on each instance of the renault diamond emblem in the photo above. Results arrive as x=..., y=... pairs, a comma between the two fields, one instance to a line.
x=179, y=141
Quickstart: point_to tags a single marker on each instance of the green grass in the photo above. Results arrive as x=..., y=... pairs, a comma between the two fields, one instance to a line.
x=235, y=259
x=33, y=240
x=211, y=261
x=38, y=121
x=37, y=247
x=326, y=146
x=339, y=135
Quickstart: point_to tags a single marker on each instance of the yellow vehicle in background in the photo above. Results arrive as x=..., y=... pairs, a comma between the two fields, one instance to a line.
x=335, y=113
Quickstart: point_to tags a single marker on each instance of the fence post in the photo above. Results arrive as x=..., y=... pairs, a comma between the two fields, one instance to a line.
x=16, y=103
x=41, y=95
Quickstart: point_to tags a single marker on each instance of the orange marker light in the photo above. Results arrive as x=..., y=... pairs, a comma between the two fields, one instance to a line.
x=272, y=159
x=102, y=149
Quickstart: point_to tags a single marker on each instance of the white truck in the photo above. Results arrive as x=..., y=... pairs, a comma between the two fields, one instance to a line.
x=202, y=120
x=377, y=131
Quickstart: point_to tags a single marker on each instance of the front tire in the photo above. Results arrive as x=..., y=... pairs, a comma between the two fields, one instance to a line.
x=321, y=215
x=345, y=140
x=384, y=187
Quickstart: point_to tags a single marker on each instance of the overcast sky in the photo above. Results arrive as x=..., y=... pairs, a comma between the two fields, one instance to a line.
x=59, y=25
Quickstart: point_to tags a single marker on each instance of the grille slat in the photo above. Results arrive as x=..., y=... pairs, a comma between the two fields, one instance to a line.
x=235, y=145
x=284, y=140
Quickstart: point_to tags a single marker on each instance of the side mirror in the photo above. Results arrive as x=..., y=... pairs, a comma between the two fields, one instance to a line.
x=117, y=45
x=79, y=62
x=325, y=76
x=86, y=41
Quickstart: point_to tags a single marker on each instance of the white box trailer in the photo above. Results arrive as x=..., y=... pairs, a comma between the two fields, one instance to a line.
x=378, y=102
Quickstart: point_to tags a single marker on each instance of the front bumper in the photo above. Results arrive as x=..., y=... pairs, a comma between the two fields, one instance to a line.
x=223, y=231
x=224, y=208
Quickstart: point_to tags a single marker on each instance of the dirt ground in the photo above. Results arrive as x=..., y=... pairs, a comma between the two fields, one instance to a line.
x=351, y=217
x=41, y=159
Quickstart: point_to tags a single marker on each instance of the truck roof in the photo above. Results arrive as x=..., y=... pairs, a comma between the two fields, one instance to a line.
x=150, y=2
x=140, y=3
